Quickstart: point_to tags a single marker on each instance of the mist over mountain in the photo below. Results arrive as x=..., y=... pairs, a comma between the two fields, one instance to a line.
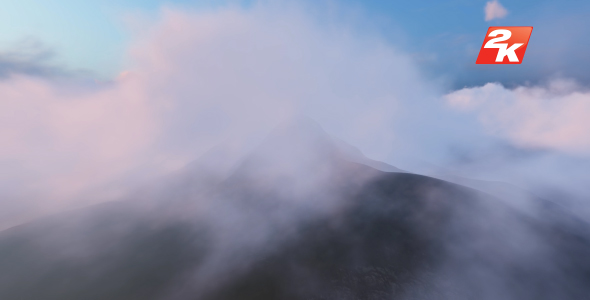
x=302, y=216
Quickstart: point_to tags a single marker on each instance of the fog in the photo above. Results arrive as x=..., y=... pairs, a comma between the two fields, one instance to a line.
x=194, y=80
x=199, y=84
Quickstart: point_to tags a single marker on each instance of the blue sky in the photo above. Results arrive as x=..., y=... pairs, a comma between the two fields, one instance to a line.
x=88, y=35
x=443, y=35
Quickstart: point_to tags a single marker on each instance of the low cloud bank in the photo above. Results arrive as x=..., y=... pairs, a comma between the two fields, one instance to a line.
x=542, y=138
x=553, y=116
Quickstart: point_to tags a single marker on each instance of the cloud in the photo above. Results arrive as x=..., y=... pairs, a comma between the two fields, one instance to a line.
x=195, y=79
x=494, y=10
x=553, y=117
x=58, y=141
x=31, y=57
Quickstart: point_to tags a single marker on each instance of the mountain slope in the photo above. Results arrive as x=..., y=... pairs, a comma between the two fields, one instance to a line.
x=296, y=219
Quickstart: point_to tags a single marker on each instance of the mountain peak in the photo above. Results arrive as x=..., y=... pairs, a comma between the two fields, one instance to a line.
x=300, y=146
x=304, y=132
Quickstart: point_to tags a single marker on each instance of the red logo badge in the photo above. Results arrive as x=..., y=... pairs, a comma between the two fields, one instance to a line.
x=504, y=45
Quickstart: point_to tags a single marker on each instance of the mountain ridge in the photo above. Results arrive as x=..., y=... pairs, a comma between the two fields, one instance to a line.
x=296, y=220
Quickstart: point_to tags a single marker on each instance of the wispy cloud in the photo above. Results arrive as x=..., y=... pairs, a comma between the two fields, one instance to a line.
x=33, y=58
x=494, y=10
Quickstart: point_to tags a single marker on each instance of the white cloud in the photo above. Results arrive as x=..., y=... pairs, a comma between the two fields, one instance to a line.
x=554, y=117
x=494, y=10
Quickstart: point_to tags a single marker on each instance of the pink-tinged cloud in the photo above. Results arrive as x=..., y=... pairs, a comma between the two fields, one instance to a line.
x=494, y=10
x=64, y=141
x=194, y=80
x=554, y=117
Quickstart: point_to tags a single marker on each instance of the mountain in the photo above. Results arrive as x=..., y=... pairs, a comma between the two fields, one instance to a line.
x=303, y=216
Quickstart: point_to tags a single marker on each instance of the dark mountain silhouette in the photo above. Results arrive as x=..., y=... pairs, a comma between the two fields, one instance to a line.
x=301, y=217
